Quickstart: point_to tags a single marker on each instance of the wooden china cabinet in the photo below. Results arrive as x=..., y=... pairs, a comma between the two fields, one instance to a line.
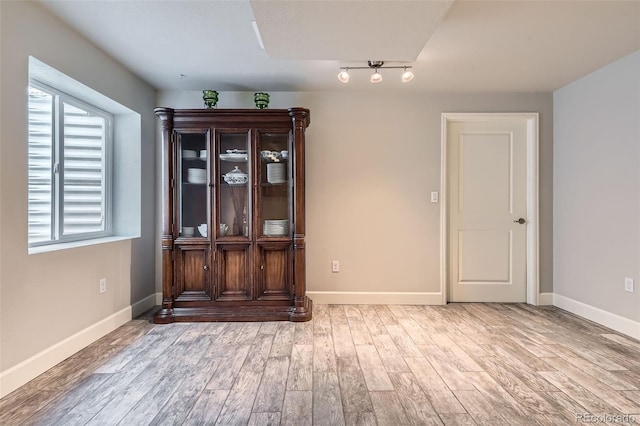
x=233, y=224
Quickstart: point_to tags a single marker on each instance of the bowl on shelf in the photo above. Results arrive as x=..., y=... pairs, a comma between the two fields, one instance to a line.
x=236, y=177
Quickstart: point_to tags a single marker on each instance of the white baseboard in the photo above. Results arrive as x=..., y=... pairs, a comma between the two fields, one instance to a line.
x=374, y=298
x=616, y=322
x=545, y=299
x=28, y=369
x=142, y=306
x=159, y=299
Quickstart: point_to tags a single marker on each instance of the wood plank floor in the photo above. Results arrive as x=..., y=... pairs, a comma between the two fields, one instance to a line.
x=460, y=364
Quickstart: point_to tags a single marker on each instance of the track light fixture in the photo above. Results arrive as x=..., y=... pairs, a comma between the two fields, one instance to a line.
x=376, y=77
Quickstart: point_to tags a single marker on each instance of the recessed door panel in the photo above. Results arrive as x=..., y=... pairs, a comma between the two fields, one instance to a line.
x=234, y=272
x=485, y=173
x=484, y=256
x=274, y=281
x=193, y=280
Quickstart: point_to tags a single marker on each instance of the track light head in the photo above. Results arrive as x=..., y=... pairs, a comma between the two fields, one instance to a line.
x=407, y=75
x=376, y=77
x=343, y=76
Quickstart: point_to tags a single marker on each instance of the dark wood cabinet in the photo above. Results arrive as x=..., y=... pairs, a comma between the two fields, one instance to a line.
x=233, y=241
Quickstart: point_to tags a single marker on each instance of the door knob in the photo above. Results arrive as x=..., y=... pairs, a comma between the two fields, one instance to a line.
x=520, y=221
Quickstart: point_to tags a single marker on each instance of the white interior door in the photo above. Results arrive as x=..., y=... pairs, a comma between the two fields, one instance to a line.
x=487, y=176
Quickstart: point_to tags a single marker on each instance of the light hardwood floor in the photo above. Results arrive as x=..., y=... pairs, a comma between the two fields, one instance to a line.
x=460, y=364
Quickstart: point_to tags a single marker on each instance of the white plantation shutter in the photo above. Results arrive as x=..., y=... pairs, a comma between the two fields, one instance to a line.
x=68, y=168
x=83, y=171
x=40, y=166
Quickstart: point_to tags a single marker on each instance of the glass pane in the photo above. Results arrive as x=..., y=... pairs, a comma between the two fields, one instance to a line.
x=234, y=170
x=275, y=188
x=83, y=171
x=193, y=179
x=40, y=165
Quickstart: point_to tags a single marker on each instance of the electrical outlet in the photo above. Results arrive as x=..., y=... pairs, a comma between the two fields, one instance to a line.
x=103, y=285
x=434, y=197
x=628, y=284
x=335, y=266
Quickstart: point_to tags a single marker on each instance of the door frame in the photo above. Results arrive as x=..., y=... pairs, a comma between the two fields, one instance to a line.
x=532, y=235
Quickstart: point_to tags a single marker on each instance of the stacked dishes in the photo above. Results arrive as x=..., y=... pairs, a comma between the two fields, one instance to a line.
x=197, y=175
x=188, y=154
x=276, y=173
x=276, y=227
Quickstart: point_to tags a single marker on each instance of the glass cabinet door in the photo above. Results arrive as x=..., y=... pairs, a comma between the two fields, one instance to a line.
x=234, y=174
x=192, y=184
x=275, y=188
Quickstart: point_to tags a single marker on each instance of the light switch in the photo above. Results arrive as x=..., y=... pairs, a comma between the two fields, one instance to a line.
x=434, y=197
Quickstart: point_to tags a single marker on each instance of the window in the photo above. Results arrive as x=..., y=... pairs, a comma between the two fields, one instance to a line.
x=69, y=168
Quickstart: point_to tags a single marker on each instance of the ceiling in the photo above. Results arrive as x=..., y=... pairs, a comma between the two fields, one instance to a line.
x=453, y=46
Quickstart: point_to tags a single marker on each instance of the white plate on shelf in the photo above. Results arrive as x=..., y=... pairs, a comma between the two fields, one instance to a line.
x=234, y=157
x=275, y=227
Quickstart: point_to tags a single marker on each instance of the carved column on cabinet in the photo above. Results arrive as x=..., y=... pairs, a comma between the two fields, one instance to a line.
x=166, y=314
x=300, y=310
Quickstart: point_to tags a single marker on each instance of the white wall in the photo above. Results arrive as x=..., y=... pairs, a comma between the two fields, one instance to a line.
x=48, y=300
x=597, y=189
x=372, y=160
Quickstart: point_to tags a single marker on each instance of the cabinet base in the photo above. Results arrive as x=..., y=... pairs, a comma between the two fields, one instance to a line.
x=235, y=313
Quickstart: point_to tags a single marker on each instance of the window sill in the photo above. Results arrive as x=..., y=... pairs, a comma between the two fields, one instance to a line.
x=82, y=243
